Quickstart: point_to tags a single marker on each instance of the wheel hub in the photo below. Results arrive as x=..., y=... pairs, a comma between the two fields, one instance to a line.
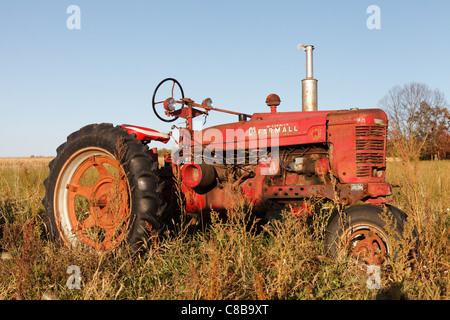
x=102, y=220
x=368, y=246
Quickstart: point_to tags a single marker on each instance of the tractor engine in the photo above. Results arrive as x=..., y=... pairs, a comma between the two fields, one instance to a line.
x=337, y=155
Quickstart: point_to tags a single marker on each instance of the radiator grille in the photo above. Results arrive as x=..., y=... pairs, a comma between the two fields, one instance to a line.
x=370, y=143
x=363, y=171
x=369, y=159
x=370, y=131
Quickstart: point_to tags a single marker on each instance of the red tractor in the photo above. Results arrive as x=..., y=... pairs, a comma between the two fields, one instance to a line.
x=106, y=186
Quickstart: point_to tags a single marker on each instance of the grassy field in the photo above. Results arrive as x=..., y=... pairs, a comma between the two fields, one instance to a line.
x=225, y=261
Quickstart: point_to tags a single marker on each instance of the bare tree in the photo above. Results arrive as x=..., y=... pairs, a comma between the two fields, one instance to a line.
x=407, y=108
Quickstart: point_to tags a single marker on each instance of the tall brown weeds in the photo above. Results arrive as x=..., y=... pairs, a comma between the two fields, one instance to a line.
x=232, y=258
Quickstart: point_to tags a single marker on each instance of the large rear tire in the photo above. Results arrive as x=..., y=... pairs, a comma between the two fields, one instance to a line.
x=102, y=190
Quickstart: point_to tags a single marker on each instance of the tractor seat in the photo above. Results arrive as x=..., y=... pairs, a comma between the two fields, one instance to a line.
x=146, y=134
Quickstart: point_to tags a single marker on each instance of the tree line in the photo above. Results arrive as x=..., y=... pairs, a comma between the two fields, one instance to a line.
x=419, y=122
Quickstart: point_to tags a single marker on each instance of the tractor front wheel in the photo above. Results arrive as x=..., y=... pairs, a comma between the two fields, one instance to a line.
x=361, y=231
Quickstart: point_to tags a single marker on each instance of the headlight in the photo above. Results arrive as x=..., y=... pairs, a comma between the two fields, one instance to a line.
x=170, y=104
x=207, y=103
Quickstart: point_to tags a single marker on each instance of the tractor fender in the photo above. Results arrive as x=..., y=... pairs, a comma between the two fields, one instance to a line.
x=146, y=134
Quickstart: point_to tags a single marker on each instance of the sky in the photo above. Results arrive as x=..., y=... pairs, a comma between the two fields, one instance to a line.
x=55, y=80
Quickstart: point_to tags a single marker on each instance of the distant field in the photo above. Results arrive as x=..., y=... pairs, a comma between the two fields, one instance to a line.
x=25, y=162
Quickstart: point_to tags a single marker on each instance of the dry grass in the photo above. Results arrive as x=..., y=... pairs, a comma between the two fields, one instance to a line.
x=423, y=195
x=226, y=259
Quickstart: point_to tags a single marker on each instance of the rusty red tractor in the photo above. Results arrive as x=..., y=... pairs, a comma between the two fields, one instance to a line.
x=106, y=187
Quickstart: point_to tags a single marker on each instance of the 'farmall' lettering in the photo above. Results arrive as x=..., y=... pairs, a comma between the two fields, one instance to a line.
x=273, y=129
x=289, y=129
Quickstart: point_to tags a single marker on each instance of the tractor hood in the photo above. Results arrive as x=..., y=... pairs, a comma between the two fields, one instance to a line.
x=291, y=127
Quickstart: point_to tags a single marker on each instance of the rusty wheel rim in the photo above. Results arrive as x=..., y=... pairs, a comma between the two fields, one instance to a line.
x=368, y=244
x=93, y=200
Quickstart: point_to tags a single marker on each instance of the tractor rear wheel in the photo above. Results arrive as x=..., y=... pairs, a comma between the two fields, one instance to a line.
x=361, y=231
x=102, y=190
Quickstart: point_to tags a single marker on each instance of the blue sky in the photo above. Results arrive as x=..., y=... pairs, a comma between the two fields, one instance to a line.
x=54, y=80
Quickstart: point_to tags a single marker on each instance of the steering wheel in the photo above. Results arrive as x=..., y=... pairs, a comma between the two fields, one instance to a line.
x=154, y=103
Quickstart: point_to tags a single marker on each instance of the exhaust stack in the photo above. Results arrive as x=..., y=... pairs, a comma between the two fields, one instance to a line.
x=309, y=84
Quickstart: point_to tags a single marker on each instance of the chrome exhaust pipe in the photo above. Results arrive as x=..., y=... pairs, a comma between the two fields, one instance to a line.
x=309, y=84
